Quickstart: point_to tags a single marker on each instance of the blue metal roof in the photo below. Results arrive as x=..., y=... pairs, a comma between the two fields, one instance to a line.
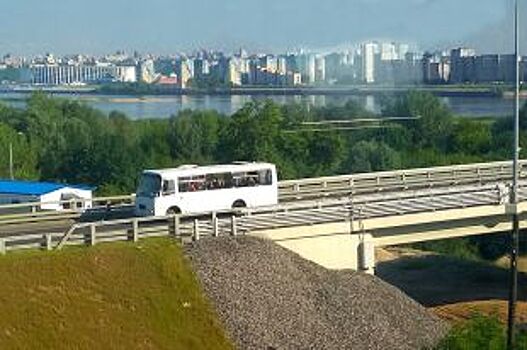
x=30, y=188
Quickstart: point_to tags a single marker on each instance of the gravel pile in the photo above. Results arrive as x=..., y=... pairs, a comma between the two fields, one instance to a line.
x=270, y=298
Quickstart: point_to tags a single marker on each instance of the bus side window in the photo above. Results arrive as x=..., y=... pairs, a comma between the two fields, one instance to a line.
x=237, y=180
x=227, y=181
x=183, y=184
x=252, y=179
x=169, y=187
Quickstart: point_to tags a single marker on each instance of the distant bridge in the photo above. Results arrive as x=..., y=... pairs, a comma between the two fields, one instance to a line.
x=334, y=221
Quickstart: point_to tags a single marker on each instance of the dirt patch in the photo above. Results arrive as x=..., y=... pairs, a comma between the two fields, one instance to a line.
x=464, y=311
x=504, y=263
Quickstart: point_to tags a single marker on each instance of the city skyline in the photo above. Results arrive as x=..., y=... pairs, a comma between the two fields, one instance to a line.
x=372, y=63
x=164, y=27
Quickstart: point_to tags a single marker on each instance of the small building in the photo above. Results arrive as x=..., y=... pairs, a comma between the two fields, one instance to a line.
x=53, y=196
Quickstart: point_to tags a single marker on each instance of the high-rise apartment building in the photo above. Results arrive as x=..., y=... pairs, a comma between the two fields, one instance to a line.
x=462, y=62
x=368, y=53
x=45, y=74
x=184, y=71
x=234, y=73
x=320, y=68
x=487, y=68
x=146, y=71
x=388, y=52
x=307, y=66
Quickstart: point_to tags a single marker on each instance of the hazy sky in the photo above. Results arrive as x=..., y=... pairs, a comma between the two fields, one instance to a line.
x=168, y=26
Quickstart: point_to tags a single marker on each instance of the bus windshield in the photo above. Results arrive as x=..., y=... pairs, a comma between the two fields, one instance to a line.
x=149, y=185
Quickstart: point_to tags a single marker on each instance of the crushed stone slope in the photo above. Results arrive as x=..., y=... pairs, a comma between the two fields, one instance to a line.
x=271, y=298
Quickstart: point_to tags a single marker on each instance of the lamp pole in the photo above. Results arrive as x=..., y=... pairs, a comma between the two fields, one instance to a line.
x=11, y=172
x=515, y=234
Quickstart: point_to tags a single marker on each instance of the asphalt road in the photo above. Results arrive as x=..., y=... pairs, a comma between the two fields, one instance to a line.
x=62, y=225
x=35, y=228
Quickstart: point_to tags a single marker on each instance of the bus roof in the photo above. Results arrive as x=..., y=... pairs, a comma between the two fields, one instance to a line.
x=191, y=170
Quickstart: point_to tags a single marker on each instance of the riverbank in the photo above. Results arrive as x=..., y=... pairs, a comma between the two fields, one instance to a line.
x=163, y=106
x=138, y=89
x=359, y=90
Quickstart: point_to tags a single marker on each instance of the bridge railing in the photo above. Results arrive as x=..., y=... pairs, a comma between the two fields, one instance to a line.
x=401, y=180
x=32, y=211
x=246, y=221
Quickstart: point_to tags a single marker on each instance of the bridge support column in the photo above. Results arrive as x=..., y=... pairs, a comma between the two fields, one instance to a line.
x=332, y=246
x=366, y=254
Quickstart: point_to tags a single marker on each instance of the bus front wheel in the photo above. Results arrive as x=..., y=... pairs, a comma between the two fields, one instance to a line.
x=173, y=211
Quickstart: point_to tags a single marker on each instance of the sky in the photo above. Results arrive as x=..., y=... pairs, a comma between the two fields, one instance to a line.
x=171, y=26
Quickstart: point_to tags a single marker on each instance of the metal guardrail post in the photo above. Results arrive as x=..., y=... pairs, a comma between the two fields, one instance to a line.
x=93, y=231
x=215, y=228
x=234, y=228
x=48, y=241
x=196, y=230
x=429, y=179
x=135, y=230
x=176, y=230
x=3, y=248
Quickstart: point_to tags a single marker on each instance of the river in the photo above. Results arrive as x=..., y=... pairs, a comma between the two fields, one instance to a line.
x=165, y=106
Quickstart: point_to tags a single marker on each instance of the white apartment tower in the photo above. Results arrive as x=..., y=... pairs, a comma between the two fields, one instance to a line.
x=307, y=66
x=388, y=52
x=320, y=68
x=368, y=51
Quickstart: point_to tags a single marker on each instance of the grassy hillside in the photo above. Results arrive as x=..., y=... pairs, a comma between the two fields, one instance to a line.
x=118, y=296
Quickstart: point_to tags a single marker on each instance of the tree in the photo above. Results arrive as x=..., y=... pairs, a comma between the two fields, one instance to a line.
x=193, y=136
x=472, y=137
x=433, y=127
x=252, y=133
x=367, y=156
x=24, y=157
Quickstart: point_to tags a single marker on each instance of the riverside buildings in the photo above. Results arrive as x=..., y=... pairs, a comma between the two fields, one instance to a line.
x=46, y=74
x=370, y=63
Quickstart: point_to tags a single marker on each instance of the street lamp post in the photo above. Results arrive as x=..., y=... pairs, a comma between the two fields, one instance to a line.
x=11, y=172
x=11, y=158
x=515, y=234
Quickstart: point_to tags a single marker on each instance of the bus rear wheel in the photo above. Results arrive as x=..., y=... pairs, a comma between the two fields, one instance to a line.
x=239, y=204
x=173, y=211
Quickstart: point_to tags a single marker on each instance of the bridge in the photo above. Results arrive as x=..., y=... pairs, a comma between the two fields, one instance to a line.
x=335, y=221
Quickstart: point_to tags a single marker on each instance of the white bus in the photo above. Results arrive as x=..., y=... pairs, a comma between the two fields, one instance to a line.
x=195, y=189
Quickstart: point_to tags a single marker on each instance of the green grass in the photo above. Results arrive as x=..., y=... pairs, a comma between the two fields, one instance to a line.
x=480, y=333
x=114, y=296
